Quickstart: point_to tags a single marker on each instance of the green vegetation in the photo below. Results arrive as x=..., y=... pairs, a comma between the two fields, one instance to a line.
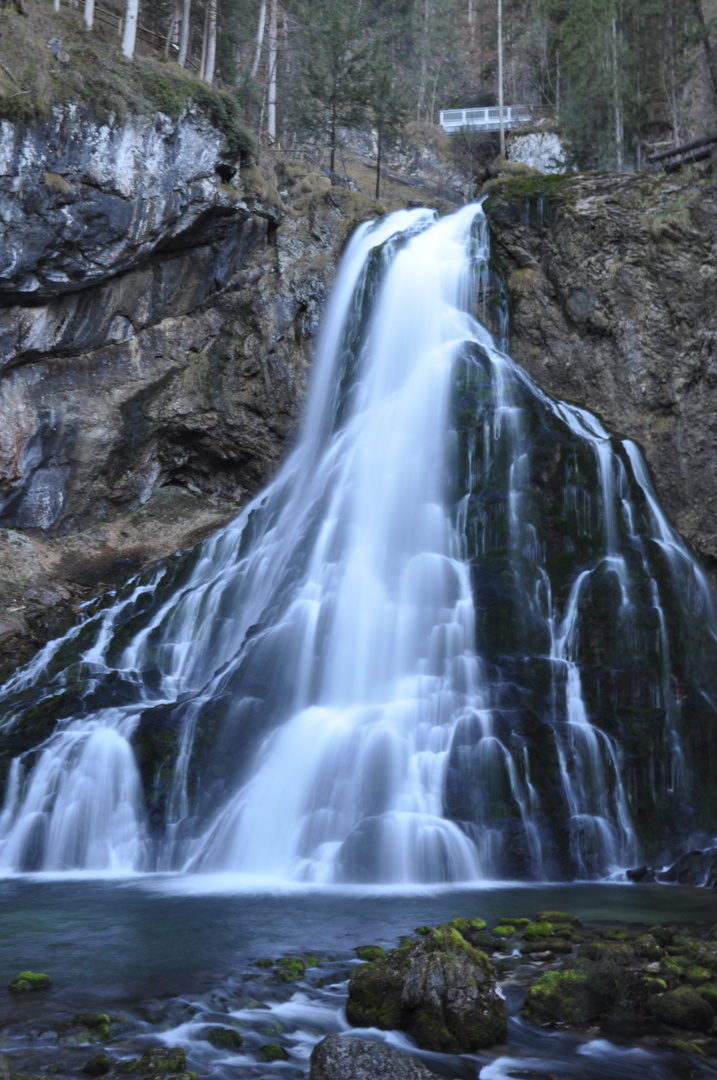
x=28, y=981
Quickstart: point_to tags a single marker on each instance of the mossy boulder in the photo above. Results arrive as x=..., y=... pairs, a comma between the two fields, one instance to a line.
x=97, y=1065
x=291, y=968
x=568, y=996
x=98, y=1024
x=28, y=981
x=370, y=952
x=440, y=990
x=224, y=1038
x=504, y=930
x=564, y=918
x=273, y=1052
x=683, y=1008
x=708, y=993
x=162, y=1061
x=540, y=931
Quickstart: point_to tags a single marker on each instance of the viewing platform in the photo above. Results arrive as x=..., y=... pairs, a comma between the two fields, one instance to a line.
x=486, y=119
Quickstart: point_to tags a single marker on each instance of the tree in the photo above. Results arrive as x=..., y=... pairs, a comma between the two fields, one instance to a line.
x=89, y=13
x=211, y=41
x=130, y=28
x=387, y=101
x=334, y=70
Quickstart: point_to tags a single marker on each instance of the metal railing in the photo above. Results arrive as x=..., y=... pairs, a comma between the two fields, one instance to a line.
x=486, y=119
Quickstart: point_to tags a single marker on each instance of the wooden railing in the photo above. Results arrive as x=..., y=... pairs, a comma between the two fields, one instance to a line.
x=486, y=119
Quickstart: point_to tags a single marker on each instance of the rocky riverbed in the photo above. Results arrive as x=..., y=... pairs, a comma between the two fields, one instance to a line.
x=642, y=988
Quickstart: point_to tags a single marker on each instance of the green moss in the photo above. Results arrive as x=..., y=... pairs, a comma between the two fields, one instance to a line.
x=562, y=917
x=652, y=985
x=273, y=1052
x=540, y=931
x=162, y=1060
x=504, y=930
x=291, y=968
x=570, y=996
x=683, y=1008
x=683, y=1047
x=708, y=993
x=519, y=924
x=28, y=981
x=224, y=1038
x=370, y=952
x=265, y=962
x=97, y=1023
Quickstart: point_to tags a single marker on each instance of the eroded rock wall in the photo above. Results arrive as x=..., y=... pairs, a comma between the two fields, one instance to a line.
x=157, y=308
x=613, y=303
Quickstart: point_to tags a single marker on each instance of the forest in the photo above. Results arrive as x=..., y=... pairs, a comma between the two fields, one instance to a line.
x=617, y=78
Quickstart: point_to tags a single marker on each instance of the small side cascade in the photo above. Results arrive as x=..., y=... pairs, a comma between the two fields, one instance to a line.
x=455, y=639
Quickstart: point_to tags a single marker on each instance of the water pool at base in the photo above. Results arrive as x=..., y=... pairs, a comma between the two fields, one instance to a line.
x=167, y=956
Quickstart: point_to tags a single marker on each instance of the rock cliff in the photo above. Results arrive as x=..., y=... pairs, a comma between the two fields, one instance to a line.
x=612, y=283
x=157, y=307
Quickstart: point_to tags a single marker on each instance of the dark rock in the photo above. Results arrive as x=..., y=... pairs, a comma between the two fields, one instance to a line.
x=162, y=1060
x=224, y=1038
x=273, y=1052
x=97, y=1065
x=683, y=1008
x=640, y=875
x=439, y=989
x=346, y=1058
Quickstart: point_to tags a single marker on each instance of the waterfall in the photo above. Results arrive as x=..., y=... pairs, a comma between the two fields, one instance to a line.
x=451, y=641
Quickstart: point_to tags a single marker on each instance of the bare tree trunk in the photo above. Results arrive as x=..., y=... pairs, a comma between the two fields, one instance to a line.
x=184, y=37
x=616, y=99
x=211, y=41
x=203, y=59
x=259, y=39
x=378, y=164
x=710, y=56
x=170, y=29
x=130, y=28
x=471, y=23
x=273, y=53
x=89, y=13
x=424, y=57
x=57, y=5
x=500, y=78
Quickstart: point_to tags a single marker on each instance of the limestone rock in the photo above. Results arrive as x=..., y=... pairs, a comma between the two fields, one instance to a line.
x=439, y=989
x=347, y=1058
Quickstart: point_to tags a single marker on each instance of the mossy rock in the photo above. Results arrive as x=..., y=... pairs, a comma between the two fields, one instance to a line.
x=697, y=975
x=570, y=996
x=519, y=924
x=97, y=1065
x=291, y=968
x=468, y=928
x=370, y=952
x=683, y=1047
x=651, y=984
x=539, y=931
x=162, y=1060
x=424, y=931
x=265, y=962
x=439, y=989
x=28, y=981
x=683, y=1008
x=311, y=960
x=708, y=993
x=273, y=1052
x=97, y=1023
x=562, y=917
x=504, y=931
x=647, y=947
x=224, y=1038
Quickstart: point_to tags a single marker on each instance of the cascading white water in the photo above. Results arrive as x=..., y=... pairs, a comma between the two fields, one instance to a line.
x=335, y=627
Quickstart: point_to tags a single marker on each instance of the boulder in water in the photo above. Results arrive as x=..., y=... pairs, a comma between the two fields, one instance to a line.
x=28, y=981
x=97, y=1065
x=345, y=1058
x=440, y=990
x=683, y=1008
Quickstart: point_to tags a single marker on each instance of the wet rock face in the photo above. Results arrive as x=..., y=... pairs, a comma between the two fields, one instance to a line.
x=81, y=201
x=441, y=990
x=612, y=284
x=346, y=1058
x=154, y=321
